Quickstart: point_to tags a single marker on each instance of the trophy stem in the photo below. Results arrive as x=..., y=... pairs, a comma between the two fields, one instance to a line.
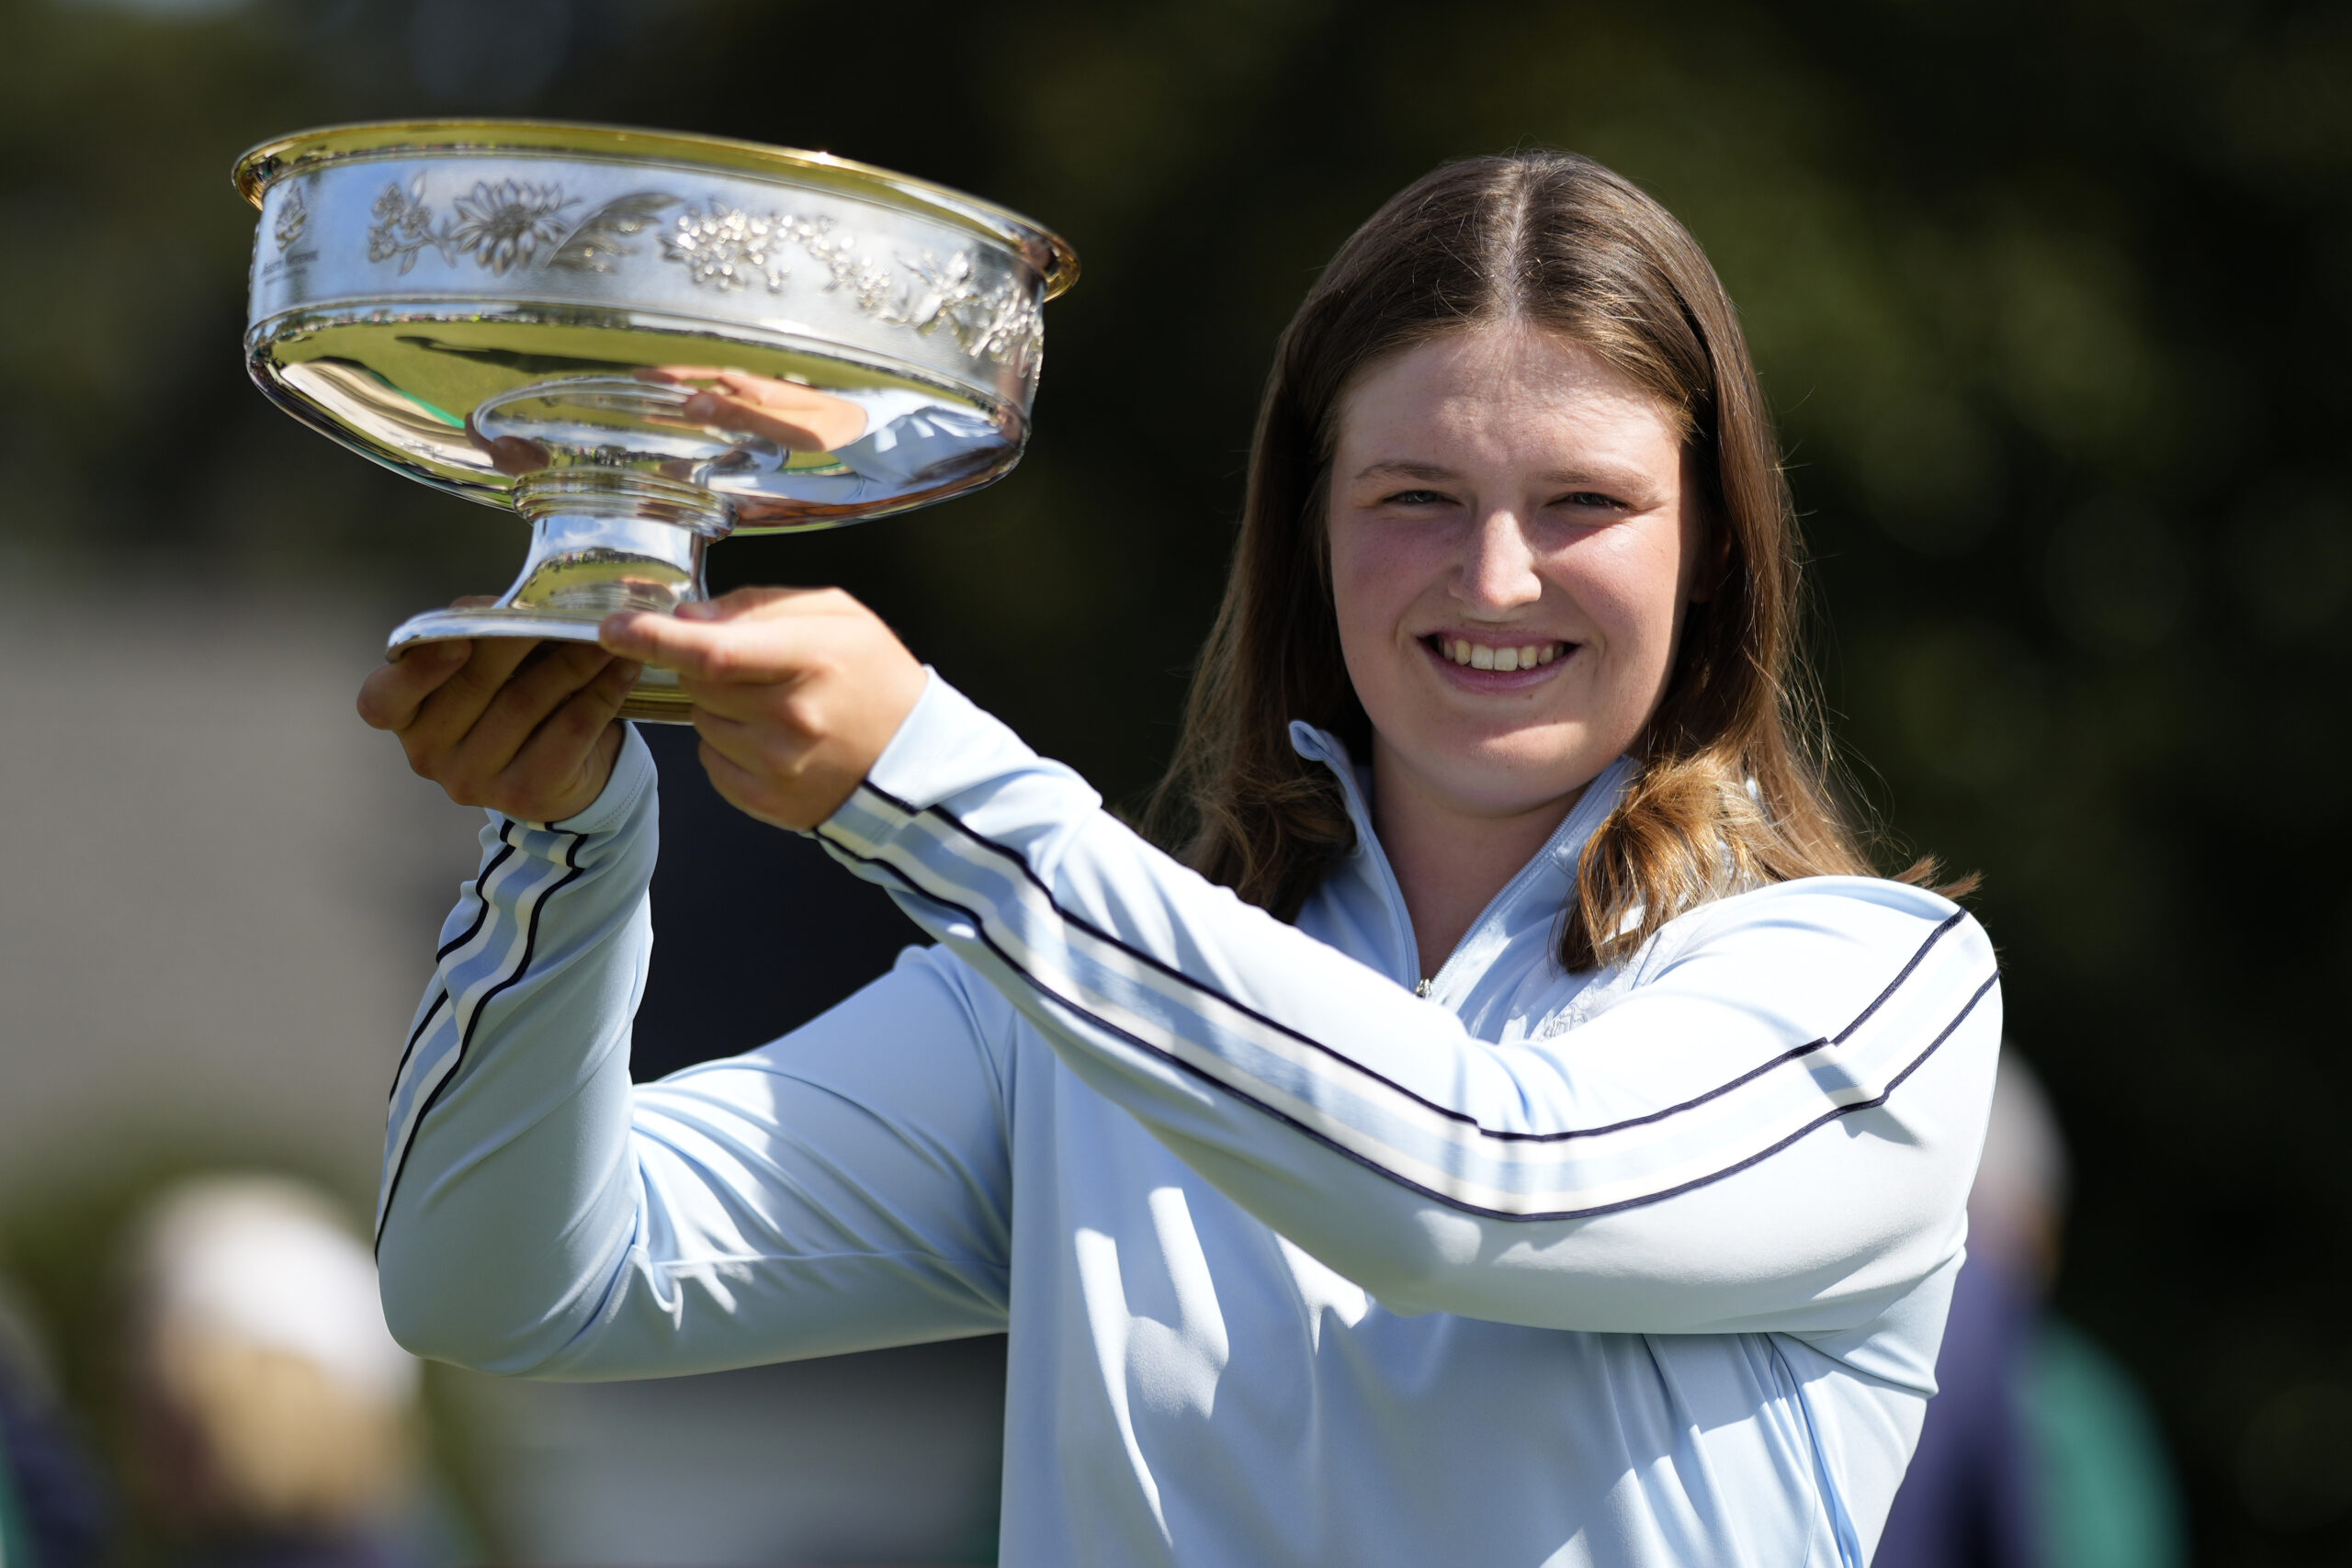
x=609, y=540
x=602, y=540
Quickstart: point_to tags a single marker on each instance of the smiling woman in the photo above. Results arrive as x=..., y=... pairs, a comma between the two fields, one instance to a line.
x=1557, y=1151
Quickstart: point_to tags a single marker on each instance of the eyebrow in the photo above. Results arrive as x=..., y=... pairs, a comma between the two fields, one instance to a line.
x=1407, y=469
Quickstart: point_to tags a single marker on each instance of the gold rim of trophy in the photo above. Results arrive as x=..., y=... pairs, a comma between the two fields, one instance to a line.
x=263, y=164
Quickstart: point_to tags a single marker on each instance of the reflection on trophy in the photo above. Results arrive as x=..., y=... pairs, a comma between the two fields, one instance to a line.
x=641, y=342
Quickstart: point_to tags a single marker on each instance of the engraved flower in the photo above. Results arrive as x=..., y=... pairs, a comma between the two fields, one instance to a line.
x=403, y=225
x=727, y=247
x=1012, y=332
x=502, y=226
x=947, y=287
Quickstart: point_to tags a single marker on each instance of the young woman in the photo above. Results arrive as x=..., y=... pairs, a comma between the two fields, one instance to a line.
x=1517, y=1128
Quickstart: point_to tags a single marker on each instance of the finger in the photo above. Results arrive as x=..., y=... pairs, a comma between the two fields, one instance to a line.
x=767, y=391
x=523, y=703
x=736, y=413
x=762, y=749
x=830, y=421
x=766, y=704
x=451, y=710
x=746, y=790
x=390, y=697
x=556, y=759
x=791, y=786
x=751, y=650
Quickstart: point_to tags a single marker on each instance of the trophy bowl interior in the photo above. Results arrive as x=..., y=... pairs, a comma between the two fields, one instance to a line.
x=406, y=386
x=879, y=337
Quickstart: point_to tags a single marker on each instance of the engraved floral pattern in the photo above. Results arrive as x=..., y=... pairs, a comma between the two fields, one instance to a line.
x=610, y=233
x=999, y=323
x=726, y=247
x=501, y=226
x=404, y=226
x=509, y=224
x=867, y=280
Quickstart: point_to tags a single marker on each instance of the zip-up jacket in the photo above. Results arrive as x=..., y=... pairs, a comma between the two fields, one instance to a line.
x=1640, y=1267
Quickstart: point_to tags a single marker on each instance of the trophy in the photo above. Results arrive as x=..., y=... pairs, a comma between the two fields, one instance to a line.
x=642, y=342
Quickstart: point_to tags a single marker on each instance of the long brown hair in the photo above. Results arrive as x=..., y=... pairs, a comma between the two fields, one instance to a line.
x=1732, y=792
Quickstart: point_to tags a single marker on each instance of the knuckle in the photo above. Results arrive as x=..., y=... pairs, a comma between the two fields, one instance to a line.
x=472, y=684
x=803, y=711
x=573, y=726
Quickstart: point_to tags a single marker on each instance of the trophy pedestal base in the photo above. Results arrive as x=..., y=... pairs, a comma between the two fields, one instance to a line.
x=655, y=698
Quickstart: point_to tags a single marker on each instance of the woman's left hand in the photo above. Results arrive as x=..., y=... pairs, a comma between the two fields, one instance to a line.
x=795, y=692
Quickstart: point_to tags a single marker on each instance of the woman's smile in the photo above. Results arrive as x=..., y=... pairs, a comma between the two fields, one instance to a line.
x=1490, y=661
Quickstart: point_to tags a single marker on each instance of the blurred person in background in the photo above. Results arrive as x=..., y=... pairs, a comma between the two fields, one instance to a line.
x=1556, y=1151
x=2038, y=1450
x=273, y=1417
x=51, y=1511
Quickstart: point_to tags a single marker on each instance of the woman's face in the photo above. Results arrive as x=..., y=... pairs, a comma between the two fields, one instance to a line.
x=1512, y=545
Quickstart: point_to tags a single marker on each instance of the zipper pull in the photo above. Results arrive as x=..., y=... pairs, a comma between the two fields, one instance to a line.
x=1423, y=989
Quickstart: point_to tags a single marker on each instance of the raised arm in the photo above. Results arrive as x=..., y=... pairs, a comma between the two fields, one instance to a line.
x=843, y=1187
x=1771, y=1124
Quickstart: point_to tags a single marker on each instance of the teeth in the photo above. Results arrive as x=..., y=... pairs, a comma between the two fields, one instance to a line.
x=1478, y=656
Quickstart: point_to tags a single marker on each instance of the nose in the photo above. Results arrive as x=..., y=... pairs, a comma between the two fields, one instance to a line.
x=1498, y=571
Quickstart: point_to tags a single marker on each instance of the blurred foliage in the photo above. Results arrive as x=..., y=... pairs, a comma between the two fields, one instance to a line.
x=2052, y=300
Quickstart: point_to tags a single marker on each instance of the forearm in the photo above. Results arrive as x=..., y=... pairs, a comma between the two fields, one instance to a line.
x=509, y=1193
x=841, y=1189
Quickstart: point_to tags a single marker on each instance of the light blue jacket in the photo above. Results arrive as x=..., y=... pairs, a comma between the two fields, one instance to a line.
x=1643, y=1267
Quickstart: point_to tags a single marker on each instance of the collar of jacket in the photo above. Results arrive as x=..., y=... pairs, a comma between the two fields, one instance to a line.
x=1361, y=908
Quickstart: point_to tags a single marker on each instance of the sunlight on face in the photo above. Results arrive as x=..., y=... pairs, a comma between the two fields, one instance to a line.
x=1511, y=551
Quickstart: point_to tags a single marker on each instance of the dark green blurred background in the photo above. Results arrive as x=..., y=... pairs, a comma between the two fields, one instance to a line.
x=2054, y=302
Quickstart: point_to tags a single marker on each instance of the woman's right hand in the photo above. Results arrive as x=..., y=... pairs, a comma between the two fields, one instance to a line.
x=528, y=729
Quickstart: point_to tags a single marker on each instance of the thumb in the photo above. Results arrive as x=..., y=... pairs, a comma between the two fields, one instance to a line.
x=745, y=651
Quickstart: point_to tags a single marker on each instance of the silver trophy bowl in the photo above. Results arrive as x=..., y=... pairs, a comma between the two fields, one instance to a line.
x=641, y=342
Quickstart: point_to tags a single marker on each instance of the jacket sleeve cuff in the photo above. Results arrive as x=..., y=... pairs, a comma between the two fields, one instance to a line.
x=632, y=781
x=945, y=746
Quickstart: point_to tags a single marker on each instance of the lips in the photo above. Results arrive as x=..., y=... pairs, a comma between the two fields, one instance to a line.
x=1489, y=664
